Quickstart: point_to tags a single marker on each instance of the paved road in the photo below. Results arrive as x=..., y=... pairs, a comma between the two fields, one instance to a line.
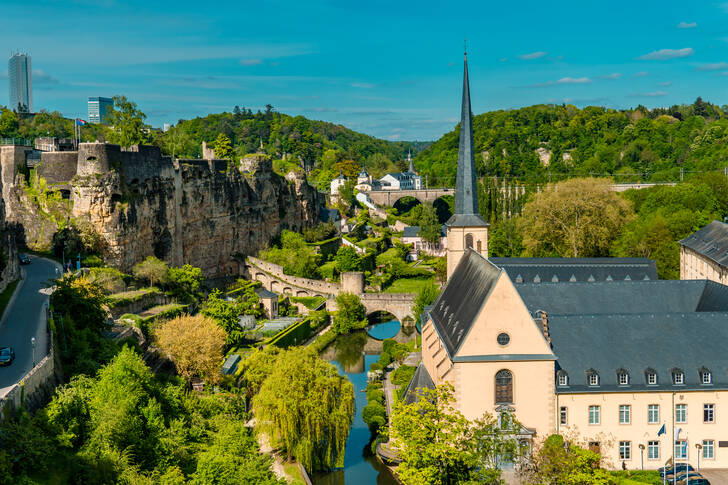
x=24, y=321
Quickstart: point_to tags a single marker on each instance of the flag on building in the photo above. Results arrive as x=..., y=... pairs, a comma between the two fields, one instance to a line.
x=677, y=433
x=662, y=431
x=80, y=122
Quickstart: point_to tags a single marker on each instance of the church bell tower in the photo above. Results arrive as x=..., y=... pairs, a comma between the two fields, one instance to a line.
x=466, y=228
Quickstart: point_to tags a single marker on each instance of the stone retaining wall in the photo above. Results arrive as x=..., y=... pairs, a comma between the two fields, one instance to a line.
x=276, y=271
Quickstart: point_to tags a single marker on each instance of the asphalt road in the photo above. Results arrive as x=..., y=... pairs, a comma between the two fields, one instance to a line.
x=25, y=321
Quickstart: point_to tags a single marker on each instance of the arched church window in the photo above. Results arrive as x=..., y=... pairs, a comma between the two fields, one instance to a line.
x=503, y=387
x=468, y=241
x=479, y=246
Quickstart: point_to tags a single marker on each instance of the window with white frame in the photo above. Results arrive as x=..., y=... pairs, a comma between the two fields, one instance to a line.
x=653, y=450
x=708, y=449
x=625, y=410
x=708, y=413
x=593, y=379
x=594, y=414
x=681, y=413
x=563, y=379
x=681, y=450
x=625, y=450
x=623, y=378
x=653, y=413
x=678, y=378
x=706, y=377
x=651, y=378
x=563, y=416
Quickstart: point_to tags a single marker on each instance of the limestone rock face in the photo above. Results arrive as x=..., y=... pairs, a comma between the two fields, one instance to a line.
x=194, y=213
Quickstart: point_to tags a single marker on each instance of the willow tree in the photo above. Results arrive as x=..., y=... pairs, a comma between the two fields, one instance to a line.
x=306, y=407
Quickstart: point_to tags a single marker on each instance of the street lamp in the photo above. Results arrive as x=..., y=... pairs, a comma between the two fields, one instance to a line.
x=642, y=456
x=32, y=343
x=699, y=447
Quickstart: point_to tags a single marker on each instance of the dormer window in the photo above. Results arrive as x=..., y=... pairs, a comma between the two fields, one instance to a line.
x=706, y=377
x=623, y=378
x=593, y=378
x=563, y=378
x=678, y=378
x=651, y=377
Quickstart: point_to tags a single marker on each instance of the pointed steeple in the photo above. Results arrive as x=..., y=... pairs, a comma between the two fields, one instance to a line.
x=466, y=188
x=411, y=168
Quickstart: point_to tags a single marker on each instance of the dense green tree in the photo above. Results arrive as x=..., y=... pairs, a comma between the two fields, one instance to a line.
x=350, y=313
x=439, y=446
x=152, y=270
x=504, y=239
x=557, y=462
x=127, y=123
x=307, y=407
x=574, y=218
x=185, y=282
x=295, y=256
x=223, y=147
x=227, y=313
x=347, y=259
x=430, y=227
x=8, y=123
x=425, y=297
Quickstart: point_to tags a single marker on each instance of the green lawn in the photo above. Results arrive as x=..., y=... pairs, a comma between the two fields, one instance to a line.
x=409, y=285
x=328, y=269
x=5, y=296
x=637, y=477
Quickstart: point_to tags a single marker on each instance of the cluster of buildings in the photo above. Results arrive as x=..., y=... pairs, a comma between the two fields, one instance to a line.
x=408, y=180
x=596, y=349
x=20, y=87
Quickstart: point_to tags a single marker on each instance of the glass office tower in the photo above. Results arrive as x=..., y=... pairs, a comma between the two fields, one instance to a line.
x=21, y=83
x=98, y=108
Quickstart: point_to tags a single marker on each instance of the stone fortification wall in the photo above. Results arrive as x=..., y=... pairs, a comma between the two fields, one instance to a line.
x=57, y=167
x=182, y=211
x=256, y=265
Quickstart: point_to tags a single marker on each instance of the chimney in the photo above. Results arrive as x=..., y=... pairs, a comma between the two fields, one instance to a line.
x=545, y=325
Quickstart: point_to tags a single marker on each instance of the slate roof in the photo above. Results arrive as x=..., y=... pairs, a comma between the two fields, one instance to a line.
x=711, y=241
x=420, y=380
x=660, y=296
x=263, y=293
x=455, y=309
x=541, y=270
x=637, y=342
x=414, y=231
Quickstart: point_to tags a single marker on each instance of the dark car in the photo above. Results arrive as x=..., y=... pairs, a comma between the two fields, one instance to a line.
x=698, y=481
x=679, y=469
x=683, y=477
x=7, y=355
x=24, y=259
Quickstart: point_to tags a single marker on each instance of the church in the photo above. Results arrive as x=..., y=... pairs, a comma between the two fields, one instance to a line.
x=597, y=348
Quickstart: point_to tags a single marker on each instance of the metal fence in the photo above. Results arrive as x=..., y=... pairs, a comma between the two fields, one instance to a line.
x=16, y=141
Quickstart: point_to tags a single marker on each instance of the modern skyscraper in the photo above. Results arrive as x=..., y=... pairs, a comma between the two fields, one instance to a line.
x=98, y=108
x=20, y=82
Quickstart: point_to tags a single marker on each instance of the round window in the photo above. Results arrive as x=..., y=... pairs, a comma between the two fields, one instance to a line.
x=503, y=338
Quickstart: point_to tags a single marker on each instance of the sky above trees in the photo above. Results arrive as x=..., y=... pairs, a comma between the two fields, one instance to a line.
x=389, y=69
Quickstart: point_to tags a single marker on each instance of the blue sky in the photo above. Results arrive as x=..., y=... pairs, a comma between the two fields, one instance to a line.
x=387, y=68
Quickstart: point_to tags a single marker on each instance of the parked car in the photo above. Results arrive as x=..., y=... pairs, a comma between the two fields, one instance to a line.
x=7, y=355
x=682, y=477
x=696, y=481
x=24, y=258
x=679, y=468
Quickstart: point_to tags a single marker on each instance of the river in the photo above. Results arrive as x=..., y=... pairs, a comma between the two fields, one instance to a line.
x=360, y=466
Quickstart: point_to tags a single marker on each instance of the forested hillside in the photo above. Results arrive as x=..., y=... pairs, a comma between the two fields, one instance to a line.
x=549, y=142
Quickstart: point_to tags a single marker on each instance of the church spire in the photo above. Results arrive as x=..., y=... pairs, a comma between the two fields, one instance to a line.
x=411, y=168
x=466, y=189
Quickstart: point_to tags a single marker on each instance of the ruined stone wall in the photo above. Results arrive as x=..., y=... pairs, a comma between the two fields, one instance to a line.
x=57, y=167
x=186, y=211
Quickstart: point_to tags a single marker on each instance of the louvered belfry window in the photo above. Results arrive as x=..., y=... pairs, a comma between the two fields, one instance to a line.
x=503, y=387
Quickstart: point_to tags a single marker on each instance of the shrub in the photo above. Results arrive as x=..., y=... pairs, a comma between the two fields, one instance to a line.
x=375, y=395
x=403, y=375
x=374, y=415
x=110, y=279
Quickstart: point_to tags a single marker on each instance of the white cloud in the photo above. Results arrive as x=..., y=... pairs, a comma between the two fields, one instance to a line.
x=687, y=25
x=574, y=80
x=614, y=75
x=640, y=74
x=532, y=55
x=715, y=66
x=42, y=77
x=503, y=59
x=667, y=54
x=665, y=84
x=362, y=85
x=250, y=62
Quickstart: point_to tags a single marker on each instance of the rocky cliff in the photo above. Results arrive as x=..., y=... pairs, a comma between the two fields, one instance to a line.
x=200, y=212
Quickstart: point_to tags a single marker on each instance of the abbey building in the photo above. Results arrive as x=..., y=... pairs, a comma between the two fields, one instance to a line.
x=598, y=348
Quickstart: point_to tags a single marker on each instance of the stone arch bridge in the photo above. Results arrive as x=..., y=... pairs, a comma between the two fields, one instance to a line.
x=390, y=197
x=272, y=277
